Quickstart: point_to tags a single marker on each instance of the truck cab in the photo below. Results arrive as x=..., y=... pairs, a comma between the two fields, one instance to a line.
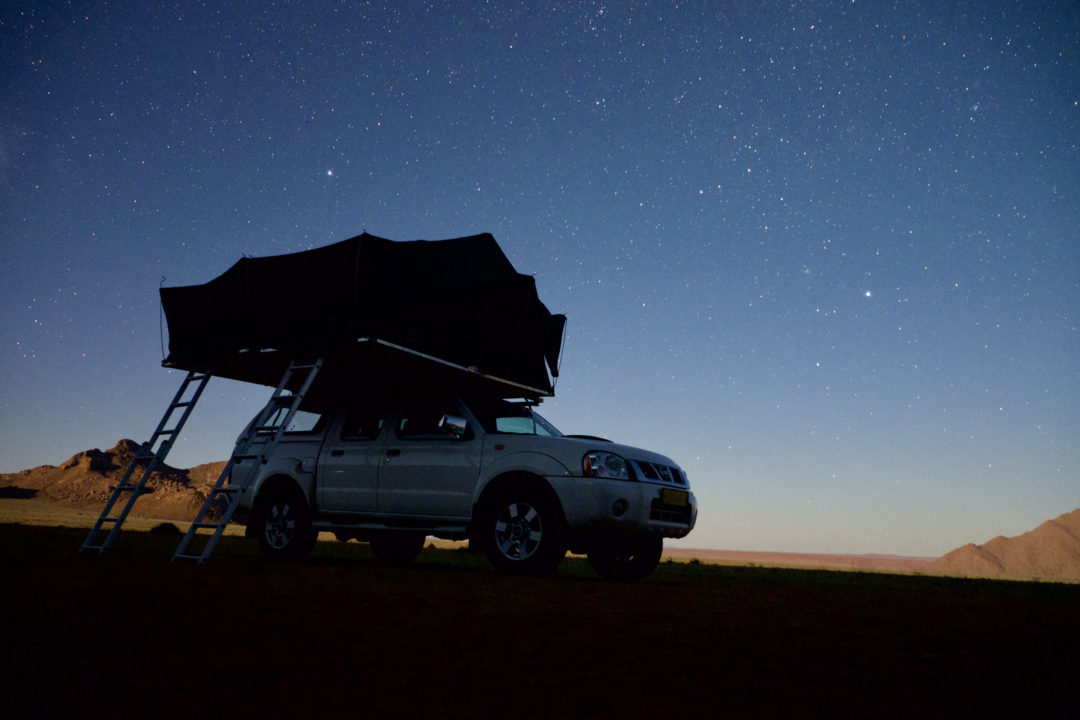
x=394, y=470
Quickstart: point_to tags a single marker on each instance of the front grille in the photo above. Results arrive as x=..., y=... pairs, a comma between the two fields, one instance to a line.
x=655, y=472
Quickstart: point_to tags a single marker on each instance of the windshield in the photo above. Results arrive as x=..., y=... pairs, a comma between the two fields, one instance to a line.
x=514, y=418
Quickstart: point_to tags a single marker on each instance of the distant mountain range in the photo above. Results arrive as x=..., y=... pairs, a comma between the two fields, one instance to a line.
x=1049, y=552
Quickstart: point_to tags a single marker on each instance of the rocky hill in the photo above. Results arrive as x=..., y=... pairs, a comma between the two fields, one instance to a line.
x=87, y=479
x=1049, y=552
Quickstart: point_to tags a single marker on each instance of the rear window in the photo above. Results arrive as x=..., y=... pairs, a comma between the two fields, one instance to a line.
x=302, y=422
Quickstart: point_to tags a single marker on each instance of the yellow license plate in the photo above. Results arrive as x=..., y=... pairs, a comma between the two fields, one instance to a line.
x=674, y=497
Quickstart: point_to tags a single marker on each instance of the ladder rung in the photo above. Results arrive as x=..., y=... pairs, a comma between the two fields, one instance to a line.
x=187, y=557
x=126, y=487
x=201, y=525
x=229, y=489
x=185, y=403
x=109, y=519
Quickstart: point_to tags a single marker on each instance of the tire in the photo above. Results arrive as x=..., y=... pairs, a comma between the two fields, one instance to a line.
x=626, y=558
x=523, y=533
x=283, y=525
x=397, y=548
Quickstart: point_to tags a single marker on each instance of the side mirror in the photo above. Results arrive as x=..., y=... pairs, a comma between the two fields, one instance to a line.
x=452, y=425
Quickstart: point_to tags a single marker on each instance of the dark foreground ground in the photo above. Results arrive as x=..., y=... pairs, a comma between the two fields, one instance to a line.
x=131, y=635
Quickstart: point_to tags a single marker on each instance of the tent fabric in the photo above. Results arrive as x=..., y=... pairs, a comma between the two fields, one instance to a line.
x=458, y=300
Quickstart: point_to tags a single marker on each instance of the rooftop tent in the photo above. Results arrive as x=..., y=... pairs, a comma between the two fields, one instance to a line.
x=446, y=313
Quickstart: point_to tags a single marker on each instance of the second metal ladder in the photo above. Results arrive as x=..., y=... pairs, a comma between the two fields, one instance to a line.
x=256, y=446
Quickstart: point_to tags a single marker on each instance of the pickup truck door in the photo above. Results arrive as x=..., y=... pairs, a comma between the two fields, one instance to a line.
x=424, y=471
x=348, y=478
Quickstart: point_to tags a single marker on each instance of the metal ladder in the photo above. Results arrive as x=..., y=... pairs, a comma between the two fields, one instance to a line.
x=256, y=444
x=148, y=459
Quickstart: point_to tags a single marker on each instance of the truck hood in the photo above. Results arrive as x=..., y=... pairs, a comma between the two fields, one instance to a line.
x=570, y=450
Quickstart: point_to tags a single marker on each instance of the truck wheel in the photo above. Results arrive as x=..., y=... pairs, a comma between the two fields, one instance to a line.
x=625, y=557
x=524, y=534
x=283, y=525
x=397, y=548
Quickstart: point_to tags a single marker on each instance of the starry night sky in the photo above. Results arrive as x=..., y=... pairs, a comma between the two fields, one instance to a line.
x=825, y=255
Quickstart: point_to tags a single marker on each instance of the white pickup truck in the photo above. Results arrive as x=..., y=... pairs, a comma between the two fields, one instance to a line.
x=393, y=472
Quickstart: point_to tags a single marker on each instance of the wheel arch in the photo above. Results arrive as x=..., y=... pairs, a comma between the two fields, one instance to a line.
x=279, y=481
x=500, y=484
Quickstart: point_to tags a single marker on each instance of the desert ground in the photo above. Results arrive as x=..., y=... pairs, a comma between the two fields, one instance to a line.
x=130, y=634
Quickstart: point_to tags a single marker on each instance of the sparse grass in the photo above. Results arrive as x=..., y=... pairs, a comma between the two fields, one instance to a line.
x=53, y=514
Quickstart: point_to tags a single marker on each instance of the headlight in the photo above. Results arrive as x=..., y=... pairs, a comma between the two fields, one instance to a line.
x=605, y=465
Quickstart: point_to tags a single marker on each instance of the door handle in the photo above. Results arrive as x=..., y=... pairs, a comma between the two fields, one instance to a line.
x=337, y=453
x=393, y=452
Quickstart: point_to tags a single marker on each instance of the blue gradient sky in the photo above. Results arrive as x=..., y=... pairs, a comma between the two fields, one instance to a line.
x=825, y=256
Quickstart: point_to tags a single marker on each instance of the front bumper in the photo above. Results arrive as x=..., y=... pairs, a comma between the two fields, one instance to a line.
x=631, y=507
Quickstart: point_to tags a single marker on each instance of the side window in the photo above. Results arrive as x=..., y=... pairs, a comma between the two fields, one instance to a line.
x=420, y=420
x=363, y=423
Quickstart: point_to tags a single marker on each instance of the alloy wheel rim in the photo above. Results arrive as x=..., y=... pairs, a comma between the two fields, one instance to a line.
x=519, y=530
x=280, y=525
